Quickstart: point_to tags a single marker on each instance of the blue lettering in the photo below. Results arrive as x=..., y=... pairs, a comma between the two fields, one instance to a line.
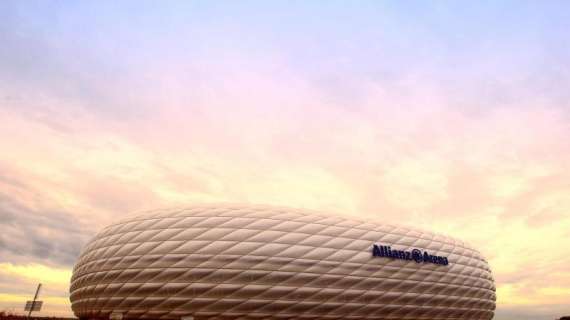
x=413, y=255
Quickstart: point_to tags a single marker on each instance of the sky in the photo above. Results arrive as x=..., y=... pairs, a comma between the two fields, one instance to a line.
x=451, y=116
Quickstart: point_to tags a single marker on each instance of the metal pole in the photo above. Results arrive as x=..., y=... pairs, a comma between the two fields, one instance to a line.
x=34, y=302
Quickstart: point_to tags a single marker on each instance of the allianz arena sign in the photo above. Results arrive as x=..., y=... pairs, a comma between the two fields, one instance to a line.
x=260, y=262
x=414, y=255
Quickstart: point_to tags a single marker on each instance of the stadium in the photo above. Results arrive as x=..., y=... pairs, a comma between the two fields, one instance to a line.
x=263, y=262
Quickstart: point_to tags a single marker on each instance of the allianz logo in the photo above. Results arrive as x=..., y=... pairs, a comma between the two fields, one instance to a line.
x=415, y=255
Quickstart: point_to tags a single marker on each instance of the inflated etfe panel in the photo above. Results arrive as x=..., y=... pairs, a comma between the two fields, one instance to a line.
x=253, y=262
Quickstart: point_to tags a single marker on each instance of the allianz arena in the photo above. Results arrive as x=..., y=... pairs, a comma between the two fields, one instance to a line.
x=258, y=262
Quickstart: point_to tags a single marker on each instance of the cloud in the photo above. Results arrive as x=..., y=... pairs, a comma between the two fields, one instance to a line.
x=18, y=283
x=533, y=312
x=37, y=273
x=42, y=235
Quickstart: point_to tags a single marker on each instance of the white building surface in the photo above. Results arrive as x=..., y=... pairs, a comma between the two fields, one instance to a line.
x=257, y=262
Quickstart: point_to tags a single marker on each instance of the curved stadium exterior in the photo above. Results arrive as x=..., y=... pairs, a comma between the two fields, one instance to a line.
x=258, y=262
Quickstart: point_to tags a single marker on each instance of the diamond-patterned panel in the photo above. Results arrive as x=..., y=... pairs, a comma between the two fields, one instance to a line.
x=259, y=262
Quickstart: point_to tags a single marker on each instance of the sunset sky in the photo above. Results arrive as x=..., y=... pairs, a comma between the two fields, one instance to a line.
x=449, y=116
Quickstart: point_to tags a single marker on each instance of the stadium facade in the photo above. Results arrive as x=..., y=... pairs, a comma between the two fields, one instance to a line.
x=259, y=262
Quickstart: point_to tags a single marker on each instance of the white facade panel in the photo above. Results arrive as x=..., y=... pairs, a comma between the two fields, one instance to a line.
x=257, y=262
